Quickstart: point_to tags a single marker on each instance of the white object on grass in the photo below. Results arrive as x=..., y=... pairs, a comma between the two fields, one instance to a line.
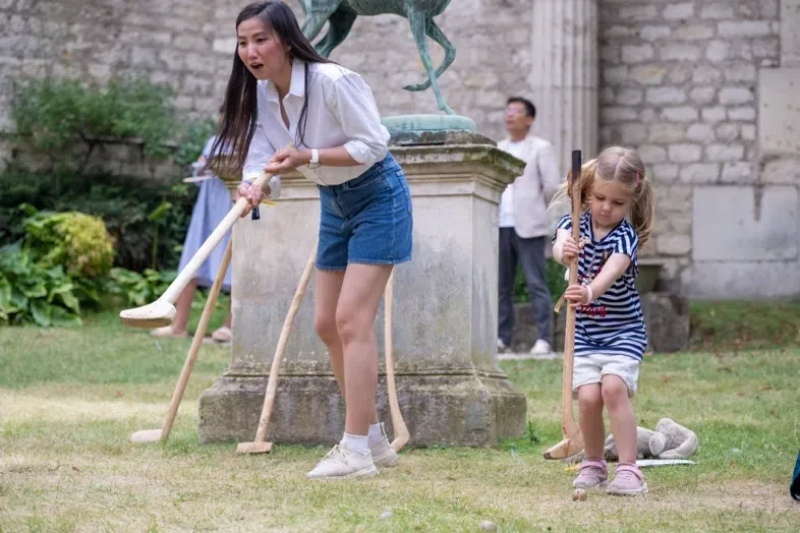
x=663, y=462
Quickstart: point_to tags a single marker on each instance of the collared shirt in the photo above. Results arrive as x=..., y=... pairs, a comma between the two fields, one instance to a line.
x=341, y=111
x=534, y=189
x=517, y=149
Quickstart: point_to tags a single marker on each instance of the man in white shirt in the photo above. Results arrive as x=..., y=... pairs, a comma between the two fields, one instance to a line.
x=524, y=226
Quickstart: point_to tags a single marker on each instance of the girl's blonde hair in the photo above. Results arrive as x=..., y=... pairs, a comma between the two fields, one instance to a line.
x=624, y=166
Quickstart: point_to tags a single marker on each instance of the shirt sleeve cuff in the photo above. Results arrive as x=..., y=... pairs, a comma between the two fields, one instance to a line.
x=362, y=153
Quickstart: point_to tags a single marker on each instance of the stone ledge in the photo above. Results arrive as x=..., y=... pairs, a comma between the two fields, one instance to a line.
x=109, y=156
x=438, y=410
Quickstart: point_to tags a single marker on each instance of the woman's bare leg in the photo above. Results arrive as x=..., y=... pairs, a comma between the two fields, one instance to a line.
x=327, y=292
x=361, y=292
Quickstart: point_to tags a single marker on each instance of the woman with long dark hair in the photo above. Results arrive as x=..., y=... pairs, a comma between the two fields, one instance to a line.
x=281, y=92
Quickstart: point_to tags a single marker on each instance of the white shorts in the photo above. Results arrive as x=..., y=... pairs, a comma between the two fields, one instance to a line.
x=591, y=369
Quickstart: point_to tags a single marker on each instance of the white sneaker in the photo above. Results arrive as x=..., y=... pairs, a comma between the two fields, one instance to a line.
x=502, y=347
x=541, y=347
x=382, y=452
x=342, y=463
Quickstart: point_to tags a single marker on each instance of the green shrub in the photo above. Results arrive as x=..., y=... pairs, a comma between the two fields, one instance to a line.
x=138, y=289
x=78, y=242
x=148, y=223
x=124, y=205
x=194, y=135
x=53, y=116
x=31, y=293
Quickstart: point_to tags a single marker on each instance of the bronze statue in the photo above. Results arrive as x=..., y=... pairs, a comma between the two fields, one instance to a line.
x=342, y=13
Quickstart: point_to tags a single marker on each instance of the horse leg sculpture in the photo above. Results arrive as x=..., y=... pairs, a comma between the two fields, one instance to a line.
x=419, y=22
x=436, y=34
x=339, y=26
x=316, y=15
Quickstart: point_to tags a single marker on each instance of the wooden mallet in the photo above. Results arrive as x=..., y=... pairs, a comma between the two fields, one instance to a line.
x=401, y=435
x=260, y=444
x=572, y=442
x=155, y=435
x=162, y=311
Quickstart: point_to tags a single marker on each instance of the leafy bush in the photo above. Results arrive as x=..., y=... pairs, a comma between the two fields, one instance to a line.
x=77, y=241
x=63, y=262
x=148, y=223
x=31, y=293
x=138, y=289
x=194, y=136
x=53, y=116
x=124, y=204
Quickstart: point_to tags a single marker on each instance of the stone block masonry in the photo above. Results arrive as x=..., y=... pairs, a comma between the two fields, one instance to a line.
x=189, y=44
x=680, y=83
x=92, y=40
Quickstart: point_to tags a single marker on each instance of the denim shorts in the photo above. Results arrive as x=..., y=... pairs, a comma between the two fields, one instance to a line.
x=367, y=219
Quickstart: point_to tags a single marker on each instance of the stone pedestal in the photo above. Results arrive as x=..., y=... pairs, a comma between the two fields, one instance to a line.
x=564, y=76
x=450, y=390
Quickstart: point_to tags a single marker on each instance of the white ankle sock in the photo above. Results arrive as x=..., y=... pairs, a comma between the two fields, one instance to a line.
x=357, y=443
x=375, y=434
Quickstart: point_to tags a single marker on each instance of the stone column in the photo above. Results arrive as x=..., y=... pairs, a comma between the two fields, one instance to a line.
x=564, y=76
x=450, y=390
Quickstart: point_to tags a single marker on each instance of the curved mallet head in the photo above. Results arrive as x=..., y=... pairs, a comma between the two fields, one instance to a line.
x=155, y=315
x=146, y=436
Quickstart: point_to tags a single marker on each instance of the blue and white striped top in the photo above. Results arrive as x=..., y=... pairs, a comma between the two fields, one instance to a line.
x=613, y=324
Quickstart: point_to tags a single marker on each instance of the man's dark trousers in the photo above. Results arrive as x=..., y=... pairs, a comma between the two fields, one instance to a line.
x=530, y=254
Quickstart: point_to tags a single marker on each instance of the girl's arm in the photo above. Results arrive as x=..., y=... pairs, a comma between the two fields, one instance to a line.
x=565, y=248
x=615, y=267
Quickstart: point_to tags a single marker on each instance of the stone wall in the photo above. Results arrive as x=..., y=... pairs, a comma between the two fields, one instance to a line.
x=169, y=41
x=688, y=84
x=92, y=40
x=189, y=43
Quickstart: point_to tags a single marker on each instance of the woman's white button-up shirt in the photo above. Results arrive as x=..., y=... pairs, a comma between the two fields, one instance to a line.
x=341, y=111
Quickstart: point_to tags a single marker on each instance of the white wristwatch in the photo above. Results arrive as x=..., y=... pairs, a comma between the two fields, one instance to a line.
x=314, y=163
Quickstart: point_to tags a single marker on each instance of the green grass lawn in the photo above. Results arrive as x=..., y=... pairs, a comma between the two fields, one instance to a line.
x=70, y=399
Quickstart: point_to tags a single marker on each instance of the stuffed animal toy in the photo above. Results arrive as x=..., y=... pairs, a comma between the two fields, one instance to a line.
x=670, y=440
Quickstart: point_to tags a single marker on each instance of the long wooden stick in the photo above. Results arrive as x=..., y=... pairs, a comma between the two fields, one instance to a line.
x=572, y=442
x=150, y=435
x=197, y=340
x=401, y=435
x=260, y=445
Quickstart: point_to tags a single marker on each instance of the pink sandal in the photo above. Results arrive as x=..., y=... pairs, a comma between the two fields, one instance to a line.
x=628, y=481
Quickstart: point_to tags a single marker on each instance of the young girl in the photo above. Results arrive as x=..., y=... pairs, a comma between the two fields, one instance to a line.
x=610, y=338
x=282, y=92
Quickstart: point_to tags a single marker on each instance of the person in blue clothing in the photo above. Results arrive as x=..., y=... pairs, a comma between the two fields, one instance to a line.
x=212, y=204
x=610, y=338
